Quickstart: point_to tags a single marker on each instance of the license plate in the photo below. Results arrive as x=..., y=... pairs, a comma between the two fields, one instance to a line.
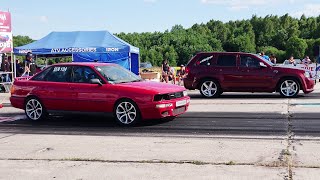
x=181, y=103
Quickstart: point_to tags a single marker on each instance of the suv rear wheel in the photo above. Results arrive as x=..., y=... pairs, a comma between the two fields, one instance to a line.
x=289, y=88
x=210, y=88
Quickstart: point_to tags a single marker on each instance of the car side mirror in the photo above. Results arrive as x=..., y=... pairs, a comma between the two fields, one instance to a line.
x=262, y=65
x=96, y=81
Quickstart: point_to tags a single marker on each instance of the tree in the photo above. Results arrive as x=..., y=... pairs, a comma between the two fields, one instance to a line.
x=21, y=40
x=296, y=47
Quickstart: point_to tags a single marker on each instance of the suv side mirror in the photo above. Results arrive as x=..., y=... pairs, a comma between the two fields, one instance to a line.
x=96, y=81
x=262, y=65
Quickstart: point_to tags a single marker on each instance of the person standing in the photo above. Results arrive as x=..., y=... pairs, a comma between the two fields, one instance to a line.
x=30, y=68
x=165, y=70
x=19, y=69
x=6, y=67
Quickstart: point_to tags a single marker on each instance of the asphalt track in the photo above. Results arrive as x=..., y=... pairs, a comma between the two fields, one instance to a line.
x=192, y=123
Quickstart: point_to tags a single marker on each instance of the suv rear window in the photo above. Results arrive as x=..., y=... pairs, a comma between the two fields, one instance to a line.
x=205, y=60
x=227, y=60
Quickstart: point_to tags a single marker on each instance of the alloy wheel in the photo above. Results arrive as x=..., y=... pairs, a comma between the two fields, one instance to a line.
x=126, y=113
x=209, y=88
x=34, y=109
x=289, y=88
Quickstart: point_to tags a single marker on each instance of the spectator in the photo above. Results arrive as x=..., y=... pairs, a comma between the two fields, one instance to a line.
x=265, y=56
x=167, y=72
x=181, y=74
x=273, y=59
x=172, y=75
x=6, y=68
x=292, y=61
x=19, y=68
x=306, y=61
x=30, y=68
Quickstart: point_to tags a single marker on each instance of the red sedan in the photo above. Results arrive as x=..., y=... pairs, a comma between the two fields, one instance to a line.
x=97, y=87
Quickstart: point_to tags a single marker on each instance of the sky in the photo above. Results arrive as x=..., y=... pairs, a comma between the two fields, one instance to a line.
x=37, y=18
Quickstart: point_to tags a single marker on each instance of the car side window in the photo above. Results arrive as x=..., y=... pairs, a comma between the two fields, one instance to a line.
x=82, y=74
x=227, y=60
x=247, y=61
x=59, y=74
x=42, y=75
x=206, y=60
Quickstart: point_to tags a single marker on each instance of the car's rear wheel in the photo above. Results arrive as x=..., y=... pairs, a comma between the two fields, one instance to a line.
x=34, y=109
x=126, y=113
x=210, y=88
x=289, y=88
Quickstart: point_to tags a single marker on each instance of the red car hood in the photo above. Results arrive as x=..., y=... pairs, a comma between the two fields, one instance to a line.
x=156, y=87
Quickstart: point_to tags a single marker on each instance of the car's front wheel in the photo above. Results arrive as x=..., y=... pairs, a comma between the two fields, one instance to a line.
x=126, y=113
x=289, y=88
x=34, y=109
x=210, y=88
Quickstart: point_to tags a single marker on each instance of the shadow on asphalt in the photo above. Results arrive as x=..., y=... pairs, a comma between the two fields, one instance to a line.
x=207, y=123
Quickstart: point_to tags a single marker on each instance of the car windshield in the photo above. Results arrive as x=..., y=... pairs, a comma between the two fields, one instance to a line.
x=117, y=74
x=264, y=60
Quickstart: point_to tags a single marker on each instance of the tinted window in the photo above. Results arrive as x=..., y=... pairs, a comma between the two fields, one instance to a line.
x=59, y=74
x=247, y=61
x=42, y=75
x=83, y=74
x=205, y=60
x=227, y=60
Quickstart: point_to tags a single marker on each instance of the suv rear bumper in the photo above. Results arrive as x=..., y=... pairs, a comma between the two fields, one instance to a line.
x=189, y=84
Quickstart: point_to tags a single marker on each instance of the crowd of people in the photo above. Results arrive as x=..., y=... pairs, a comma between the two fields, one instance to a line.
x=170, y=74
x=25, y=68
x=291, y=59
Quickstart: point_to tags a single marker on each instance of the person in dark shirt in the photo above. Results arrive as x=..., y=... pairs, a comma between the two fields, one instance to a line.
x=30, y=68
x=165, y=70
x=19, y=68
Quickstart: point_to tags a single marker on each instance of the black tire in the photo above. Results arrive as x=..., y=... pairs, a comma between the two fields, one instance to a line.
x=34, y=109
x=210, y=88
x=126, y=113
x=289, y=87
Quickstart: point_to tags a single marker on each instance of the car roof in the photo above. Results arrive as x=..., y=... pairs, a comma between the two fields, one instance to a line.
x=224, y=53
x=92, y=64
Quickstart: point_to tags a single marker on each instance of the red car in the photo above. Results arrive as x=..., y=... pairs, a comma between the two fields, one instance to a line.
x=217, y=72
x=97, y=87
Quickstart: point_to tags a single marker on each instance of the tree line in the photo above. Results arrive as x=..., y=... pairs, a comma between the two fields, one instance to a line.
x=282, y=36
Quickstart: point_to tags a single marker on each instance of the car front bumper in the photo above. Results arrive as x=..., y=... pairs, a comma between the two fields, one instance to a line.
x=167, y=108
x=308, y=85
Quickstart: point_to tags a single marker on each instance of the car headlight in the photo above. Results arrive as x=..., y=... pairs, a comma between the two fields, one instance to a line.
x=185, y=93
x=307, y=74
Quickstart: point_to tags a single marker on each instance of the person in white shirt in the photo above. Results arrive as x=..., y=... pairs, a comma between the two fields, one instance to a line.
x=306, y=60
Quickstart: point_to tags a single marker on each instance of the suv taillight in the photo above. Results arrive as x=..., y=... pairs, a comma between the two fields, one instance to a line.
x=187, y=70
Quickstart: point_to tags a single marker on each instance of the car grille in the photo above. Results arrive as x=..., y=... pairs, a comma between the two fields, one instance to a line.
x=179, y=110
x=169, y=96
